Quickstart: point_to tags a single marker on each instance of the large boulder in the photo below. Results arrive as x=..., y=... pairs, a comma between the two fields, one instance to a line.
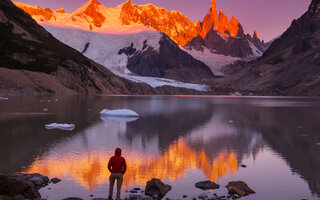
x=239, y=187
x=3, y=197
x=205, y=185
x=156, y=188
x=13, y=185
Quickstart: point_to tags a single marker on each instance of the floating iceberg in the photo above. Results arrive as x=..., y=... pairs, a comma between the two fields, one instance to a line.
x=3, y=98
x=119, y=113
x=119, y=119
x=67, y=127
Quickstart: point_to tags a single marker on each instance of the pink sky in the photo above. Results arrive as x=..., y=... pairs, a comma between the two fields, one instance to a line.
x=269, y=17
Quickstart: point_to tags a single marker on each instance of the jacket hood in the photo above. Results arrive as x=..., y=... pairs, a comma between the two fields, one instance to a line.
x=117, y=152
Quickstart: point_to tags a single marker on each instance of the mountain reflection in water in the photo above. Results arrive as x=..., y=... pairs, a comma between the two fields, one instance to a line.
x=175, y=139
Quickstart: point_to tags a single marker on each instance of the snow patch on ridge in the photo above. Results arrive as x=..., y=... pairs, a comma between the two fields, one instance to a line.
x=214, y=61
x=255, y=51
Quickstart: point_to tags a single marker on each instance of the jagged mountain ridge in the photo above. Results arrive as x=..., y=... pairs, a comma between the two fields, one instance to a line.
x=222, y=36
x=291, y=66
x=129, y=17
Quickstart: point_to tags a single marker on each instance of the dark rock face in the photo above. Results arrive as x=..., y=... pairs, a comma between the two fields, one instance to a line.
x=222, y=36
x=233, y=46
x=55, y=180
x=205, y=185
x=167, y=62
x=291, y=66
x=156, y=188
x=18, y=185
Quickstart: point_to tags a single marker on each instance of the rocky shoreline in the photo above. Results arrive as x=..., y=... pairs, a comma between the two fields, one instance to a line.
x=27, y=186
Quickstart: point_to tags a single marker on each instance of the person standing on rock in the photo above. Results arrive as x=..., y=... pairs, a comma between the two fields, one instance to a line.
x=117, y=166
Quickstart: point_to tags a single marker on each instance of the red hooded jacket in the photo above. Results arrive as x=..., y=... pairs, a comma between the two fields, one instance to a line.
x=117, y=163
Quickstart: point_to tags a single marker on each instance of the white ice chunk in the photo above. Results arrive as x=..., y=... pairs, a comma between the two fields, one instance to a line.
x=230, y=122
x=318, y=143
x=3, y=98
x=119, y=113
x=119, y=119
x=67, y=127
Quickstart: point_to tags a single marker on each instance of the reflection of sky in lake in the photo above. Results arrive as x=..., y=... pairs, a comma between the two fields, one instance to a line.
x=182, y=141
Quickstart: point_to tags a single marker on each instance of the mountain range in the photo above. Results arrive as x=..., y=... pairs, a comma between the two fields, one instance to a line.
x=132, y=18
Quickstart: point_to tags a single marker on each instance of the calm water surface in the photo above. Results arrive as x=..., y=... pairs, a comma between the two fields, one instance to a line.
x=181, y=140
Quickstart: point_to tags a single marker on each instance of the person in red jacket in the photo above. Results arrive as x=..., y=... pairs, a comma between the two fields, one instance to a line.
x=117, y=166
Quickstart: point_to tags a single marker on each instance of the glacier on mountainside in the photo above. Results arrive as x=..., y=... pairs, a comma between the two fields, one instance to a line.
x=214, y=61
x=104, y=48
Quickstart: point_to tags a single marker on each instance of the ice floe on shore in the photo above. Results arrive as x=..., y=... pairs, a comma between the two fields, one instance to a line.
x=66, y=127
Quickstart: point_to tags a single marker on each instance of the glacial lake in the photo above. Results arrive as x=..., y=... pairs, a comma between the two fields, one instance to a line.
x=179, y=139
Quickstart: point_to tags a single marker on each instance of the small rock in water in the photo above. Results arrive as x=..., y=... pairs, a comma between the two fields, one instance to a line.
x=136, y=188
x=243, y=166
x=207, y=185
x=72, y=198
x=184, y=196
x=239, y=188
x=155, y=187
x=202, y=196
x=91, y=195
x=55, y=180
x=133, y=191
x=194, y=198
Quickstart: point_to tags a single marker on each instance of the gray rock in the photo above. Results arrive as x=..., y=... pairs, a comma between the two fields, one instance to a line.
x=13, y=185
x=156, y=188
x=38, y=181
x=55, y=180
x=44, y=178
x=207, y=185
x=133, y=191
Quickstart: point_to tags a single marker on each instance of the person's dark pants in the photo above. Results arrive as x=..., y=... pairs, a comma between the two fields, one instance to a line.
x=112, y=178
